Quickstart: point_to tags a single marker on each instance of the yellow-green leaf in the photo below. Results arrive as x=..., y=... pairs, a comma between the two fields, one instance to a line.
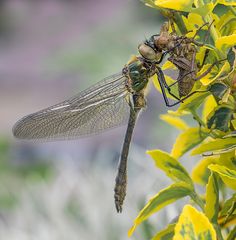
x=226, y=42
x=214, y=145
x=170, y=166
x=167, y=65
x=229, y=207
x=227, y=2
x=163, y=198
x=180, y=5
x=187, y=140
x=174, y=121
x=200, y=172
x=166, y=234
x=194, y=101
x=209, y=104
x=228, y=159
x=227, y=175
x=212, y=199
x=193, y=225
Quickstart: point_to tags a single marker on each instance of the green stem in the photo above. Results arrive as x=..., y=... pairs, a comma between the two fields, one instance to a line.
x=218, y=232
x=232, y=234
x=180, y=23
x=198, y=200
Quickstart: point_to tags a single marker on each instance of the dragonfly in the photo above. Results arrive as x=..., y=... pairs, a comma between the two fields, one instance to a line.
x=112, y=102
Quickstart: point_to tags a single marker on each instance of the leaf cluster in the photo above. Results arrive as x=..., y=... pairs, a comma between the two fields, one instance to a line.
x=213, y=214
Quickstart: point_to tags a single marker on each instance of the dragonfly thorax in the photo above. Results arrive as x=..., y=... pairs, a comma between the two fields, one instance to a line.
x=137, y=74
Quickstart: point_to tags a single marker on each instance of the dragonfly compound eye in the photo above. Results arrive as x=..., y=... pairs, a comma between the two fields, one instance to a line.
x=147, y=52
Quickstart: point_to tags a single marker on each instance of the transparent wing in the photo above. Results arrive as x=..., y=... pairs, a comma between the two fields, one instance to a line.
x=100, y=107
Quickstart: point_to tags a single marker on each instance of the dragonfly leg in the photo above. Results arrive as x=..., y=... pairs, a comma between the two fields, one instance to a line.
x=163, y=85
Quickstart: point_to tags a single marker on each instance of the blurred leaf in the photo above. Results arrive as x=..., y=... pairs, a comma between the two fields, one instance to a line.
x=212, y=199
x=166, y=234
x=228, y=159
x=213, y=145
x=170, y=166
x=187, y=140
x=163, y=198
x=229, y=207
x=174, y=121
x=193, y=225
x=200, y=172
x=220, y=118
x=181, y=5
x=227, y=2
x=8, y=200
x=227, y=175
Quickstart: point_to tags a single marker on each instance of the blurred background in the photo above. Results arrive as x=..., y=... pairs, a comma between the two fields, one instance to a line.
x=49, y=51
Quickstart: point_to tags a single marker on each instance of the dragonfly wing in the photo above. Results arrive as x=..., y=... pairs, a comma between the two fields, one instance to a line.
x=94, y=110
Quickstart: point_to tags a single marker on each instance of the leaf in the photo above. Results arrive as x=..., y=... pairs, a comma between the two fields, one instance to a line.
x=220, y=118
x=194, y=101
x=214, y=145
x=231, y=57
x=168, y=65
x=170, y=166
x=209, y=104
x=225, y=42
x=200, y=172
x=218, y=90
x=193, y=225
x=160, y=200
x=229, y=207
x=228, y=159
x=181, y=5
x=227, y=2
x=212, y=199
x=227, y=175
x=166, y=234
x=174, y=121
x=187, y=140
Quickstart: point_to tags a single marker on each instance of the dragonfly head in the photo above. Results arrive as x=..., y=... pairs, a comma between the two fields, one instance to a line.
x=148, y=49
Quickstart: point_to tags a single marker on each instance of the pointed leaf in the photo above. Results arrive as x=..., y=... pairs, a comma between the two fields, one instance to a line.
x=218, y=90
x=225, y=42
x=200, y=172
x=212, y=199
x=187, y=140
x=160, y=200
x=166, y=234
x=220, y=118
x=227, y=175
x=174, y=121
x=170, y=166
x=214, y=145
x=209, y=104
x=193, y=225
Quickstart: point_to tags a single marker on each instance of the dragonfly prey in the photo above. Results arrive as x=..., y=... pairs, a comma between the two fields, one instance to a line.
x=107, y=104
